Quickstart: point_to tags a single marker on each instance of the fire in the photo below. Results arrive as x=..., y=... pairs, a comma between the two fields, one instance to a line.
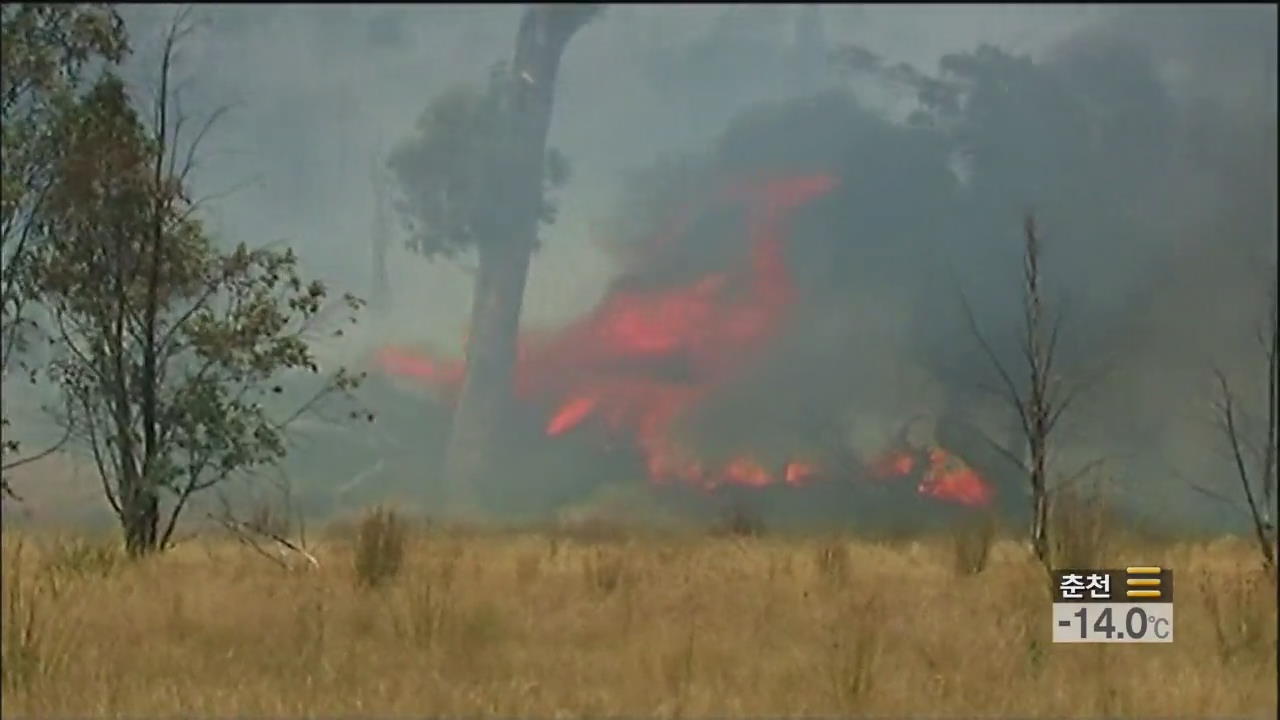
x=747, y=471
x=949, y=478
x=799, y=473
x=644, y=357
x=574, y=412
x=408, y=363
x=893, y=464
x=945, y=476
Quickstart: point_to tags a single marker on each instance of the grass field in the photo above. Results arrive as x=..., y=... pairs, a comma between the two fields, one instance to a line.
x=556, y=624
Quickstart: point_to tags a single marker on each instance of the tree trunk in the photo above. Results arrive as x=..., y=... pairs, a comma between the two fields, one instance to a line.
x=1040, y=502
x=139, y=516
x=516, y=179
x=1039, y=409
x=478, y=427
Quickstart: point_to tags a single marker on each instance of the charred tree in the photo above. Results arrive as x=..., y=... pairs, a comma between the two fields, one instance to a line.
x=516, y=178
x=1039, y=402
x=1254, y=444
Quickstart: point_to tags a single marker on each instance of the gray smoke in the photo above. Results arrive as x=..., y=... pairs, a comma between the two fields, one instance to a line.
x=1157, y=197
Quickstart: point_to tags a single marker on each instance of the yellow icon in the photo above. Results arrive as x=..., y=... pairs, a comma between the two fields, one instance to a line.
x=1143, y=582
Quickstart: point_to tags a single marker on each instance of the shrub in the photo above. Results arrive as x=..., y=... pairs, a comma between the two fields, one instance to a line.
x=379, y=552
x=740, y=521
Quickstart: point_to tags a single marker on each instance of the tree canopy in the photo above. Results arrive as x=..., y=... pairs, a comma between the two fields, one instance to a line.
x=46, y=50
x=170, y=354
x=445, y=170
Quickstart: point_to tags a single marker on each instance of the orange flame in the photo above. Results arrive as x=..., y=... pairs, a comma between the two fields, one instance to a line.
x=893, y=464
x=614, y=365
x=799, y=473
x=408, y=363
x=950, y=478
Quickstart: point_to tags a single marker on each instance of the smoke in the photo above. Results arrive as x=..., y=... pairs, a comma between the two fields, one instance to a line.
x=1143, y=138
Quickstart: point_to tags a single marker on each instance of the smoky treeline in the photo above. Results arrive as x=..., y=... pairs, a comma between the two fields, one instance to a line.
x=1142, y=139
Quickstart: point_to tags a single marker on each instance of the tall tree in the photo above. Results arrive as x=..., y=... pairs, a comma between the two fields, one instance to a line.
x=45, y=53
x=171, y=351
x=475, y=177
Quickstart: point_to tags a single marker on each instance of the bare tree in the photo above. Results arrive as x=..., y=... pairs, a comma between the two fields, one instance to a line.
x=1254, y=443
x=1039, y=402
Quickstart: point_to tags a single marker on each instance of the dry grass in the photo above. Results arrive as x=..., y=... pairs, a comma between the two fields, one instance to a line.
x=551, y=625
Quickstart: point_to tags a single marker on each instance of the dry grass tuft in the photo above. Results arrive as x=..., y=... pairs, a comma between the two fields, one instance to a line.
x=35, y=634
x=1241, y=607
x=1078, y=528
x=604, y=569
x=380, y=543
x=505, y=624
x=832, y=560
x=79, y=557
x=971, y=543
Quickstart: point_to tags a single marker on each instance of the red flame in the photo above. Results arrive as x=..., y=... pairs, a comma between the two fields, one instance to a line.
x=408, y=363
x=572, y=413
x=616, y=365
x=946, y=477
x=949, y=478
x=799, y=473
x=893, y=464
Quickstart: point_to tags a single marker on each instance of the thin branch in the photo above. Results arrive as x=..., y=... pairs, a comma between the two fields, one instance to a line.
x=95, y=447
x=1050, y=352
x=1233, y=438
x=1013, y=397
x=237, y=530
x=1055, y=413
x=189, y=162
x=195, y=205
x=11, y=277
x=1078, y=475
x=1004, y=452
x=40, y=455
x=1215, y=495
x=245, y=532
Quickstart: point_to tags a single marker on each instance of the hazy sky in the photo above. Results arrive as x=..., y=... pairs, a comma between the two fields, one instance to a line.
x=318, y=89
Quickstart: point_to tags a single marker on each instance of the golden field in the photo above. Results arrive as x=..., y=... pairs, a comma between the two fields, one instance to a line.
x=558, y=624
